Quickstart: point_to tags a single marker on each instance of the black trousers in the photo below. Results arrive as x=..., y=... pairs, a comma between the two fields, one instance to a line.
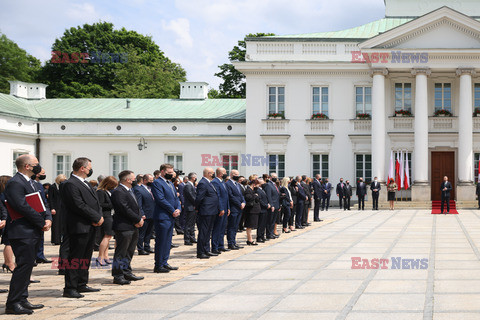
x=299, y=213
x=445, y=199
x=126, y=241
x=189, y=231
x=291, y=217
x=98, y=237
x=361, y=202
x=262, y=224
x=375, y=199
x=25, y=251
x=316, y=210
x=270, y=220
x=341, y=201
x=144, y=235
x=325, y=202
x=79, y=258
x=205, y=229
x=346, y=203
x=64, y=249
x=286, y=216
x=306, y=211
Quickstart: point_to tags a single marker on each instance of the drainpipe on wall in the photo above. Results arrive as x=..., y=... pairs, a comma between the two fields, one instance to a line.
x=37, y=143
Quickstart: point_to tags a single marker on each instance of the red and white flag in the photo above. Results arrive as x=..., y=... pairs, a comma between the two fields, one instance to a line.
x=407, y=173
x=397, y=171
x=478, y=170
x=402, y=171
x=391, y=171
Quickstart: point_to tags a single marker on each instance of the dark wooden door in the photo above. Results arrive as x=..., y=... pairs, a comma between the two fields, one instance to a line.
x=443, y=164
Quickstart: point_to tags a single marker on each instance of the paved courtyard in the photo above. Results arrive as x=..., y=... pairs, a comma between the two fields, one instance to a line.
x=310, y=275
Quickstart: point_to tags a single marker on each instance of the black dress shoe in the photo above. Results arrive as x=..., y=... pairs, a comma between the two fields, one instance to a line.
x=68, y=293
x=239, y=247
x=43, y=260
x=34, y=281
x=17, y=308
x=194, y=241
x=175, y=245
x=121, y=281
x=188, y=244
x=216, y=252
x=169, y=267
x=87, y=289
x=28, y=305
x=61, y=272
x=132, y=277
x=143, y=253
x=224, y=250
x=260, y=241
x=202, y=256
x=211, y=254
x=232, y=247
x=3, y=290
x=161, y=270
x=180, y=231
x=271, y=238
x=150, y=250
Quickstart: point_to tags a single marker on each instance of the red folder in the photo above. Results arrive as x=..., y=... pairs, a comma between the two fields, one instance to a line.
x=34, y=200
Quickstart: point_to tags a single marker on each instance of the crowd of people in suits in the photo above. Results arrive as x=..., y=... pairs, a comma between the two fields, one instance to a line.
x=85, y=214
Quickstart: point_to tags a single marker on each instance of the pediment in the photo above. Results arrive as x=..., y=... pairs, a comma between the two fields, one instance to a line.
x=441, y=29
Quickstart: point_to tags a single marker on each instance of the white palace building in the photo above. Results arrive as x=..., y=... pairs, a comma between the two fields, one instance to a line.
x=335, y=103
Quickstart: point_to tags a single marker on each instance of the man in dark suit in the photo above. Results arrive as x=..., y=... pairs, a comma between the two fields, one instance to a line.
x=375, y=187
x=477, y=192
x=167, y=208
x=317, y=195
x=237, y=203
x=446, y=187
x=327, y=188
x=220, y=224
x=306, y=208
x=341, y=199
x=24, y=233
x=189, y=194
x=264, y=206
x=361, y=192
x=208, y=207
x=39, y=187
x=181, y=217
x=146, y=203
x=347, y=195
x=126, y=221
x=273, y=196
x=301, y=198
x=82, y=214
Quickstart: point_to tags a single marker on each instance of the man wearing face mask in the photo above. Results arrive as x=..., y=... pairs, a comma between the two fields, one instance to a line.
x=375, y=187
x=39, y=187
x=82, y=214
x=273, y=197
x=146, y=203
x=340, y=195
x=189, y=195
x=237, y=203
x=361, y=192
x=24, y=233
x=220, y=224
x=347, y=195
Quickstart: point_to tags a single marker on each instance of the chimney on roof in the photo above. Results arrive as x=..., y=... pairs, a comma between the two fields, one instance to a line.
x=193, y=90
x=128, y=103
x=25, y=90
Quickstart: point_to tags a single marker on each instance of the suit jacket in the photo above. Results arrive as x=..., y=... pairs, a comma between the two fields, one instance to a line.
x=127, y=212
x=39, y=187
x=235, y=196
x=347, y=190
x=222, y=194
x=375, y=185
x=306, y=188
x=478, y=190
x=251, y=197
x=327, y=186
x=32, y=222
x=105, y=202
x=262, y=197
x=207, y=201
x=145, y=201
x=340, y=190
x=180, y=188
x=3, y=208
x=317, y=189
x=189, y=194
x=361, y=190
x=301, y=193
x=293, y=192
x=166, y=200
x=444, y=193
x=285, y=196
x=81, y=206
x=273, y=195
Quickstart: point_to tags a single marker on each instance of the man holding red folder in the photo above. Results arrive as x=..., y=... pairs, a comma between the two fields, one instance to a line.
x=24, y=233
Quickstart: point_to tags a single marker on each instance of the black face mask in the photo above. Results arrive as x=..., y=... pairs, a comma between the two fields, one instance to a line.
x=37, y=169
x=274, y=179
x=168, y=176
x=149, y=184
x=235, y=178
x=42, y=177
x=134, y=183
x=224, y=176
x=341, y=181
x=244, y=182
x=89, y=174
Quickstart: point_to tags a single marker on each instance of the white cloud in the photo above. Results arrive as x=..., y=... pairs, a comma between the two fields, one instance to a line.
x=181, y=28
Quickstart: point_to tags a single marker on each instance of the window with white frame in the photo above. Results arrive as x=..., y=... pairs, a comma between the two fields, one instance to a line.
x=363, y=167
x=403, y=96
x=230, y=162
x=476, y=95
x=320, y=165
x=320, y=100
x=276, y=163
x=276, y=100
x=118, y=163
x=363, y=100
x=476, y=159
x=63, y=164
x=176, y=160
x=17, y=154
x=443, y=96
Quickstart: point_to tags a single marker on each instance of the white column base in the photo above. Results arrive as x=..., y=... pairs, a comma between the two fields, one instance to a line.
x=465, y=192
x=421, y=192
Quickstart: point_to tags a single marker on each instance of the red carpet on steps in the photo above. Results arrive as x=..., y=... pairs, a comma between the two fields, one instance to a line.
x=436, y=205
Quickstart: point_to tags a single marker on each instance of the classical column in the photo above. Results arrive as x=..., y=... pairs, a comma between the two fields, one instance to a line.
x=378, y=123
x=421, y=185
x=465, y=136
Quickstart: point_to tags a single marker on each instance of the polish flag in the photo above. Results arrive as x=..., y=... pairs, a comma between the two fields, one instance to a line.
x=478, y=170
x=402, y=171
x=391, y=171
x=397, y=170
x=407, y=177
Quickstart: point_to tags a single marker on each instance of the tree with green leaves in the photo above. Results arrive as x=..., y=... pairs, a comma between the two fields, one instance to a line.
x=234, y=85
x=15, y=64
x=98, y=61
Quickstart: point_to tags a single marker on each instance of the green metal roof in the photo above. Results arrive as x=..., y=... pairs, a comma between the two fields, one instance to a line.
x=116, y=109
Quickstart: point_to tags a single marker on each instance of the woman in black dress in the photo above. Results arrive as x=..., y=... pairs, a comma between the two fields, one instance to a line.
x=55, y=202
x=286, y=203
x=104, y=193
x=252, y=210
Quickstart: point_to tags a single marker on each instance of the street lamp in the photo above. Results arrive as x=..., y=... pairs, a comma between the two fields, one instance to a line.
x=142, y=144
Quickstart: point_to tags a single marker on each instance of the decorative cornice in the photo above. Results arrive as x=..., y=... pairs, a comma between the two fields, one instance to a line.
x=308, y=73
x=378, y=71
x=467, y=71
x=425, y=71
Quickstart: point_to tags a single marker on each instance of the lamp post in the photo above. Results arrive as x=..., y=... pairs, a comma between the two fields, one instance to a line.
x=142, y=144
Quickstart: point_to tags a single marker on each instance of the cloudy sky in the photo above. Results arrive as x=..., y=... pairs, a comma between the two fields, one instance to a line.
x=195, y=33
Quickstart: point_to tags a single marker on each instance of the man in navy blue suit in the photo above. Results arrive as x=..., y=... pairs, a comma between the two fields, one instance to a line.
x=301, y=198
x=167, y=208
x=237, y=203
x=220, y=224
x=317, y=194
x=327, y=188
x=273, y=196
x=208, y=206
x=189, y=194
x=146, y=202
x=39, y=187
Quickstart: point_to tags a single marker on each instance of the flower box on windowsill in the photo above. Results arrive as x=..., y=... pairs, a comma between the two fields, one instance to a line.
x=364, y=116
x=442, y=113
x=279, y=116
x=319, y=116
x=476, y=112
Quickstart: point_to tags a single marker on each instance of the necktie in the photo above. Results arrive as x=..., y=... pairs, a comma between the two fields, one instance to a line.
x=150, y=191
x=132, y=194
x=213, y=186
x=171, y=187
x=33, y=185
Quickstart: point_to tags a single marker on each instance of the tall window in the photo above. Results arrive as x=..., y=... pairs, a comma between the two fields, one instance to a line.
x=320, y=165
x=118, y=163
x=63, y=164
x=476, y=95
x=363, y=166
x=443, y=96
x=230, y=162
x=17, y=154
x=276, y=163
x=320, y=100
x=276, y=99
x=403, y=96
x=175, y=160
x=363, y=99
